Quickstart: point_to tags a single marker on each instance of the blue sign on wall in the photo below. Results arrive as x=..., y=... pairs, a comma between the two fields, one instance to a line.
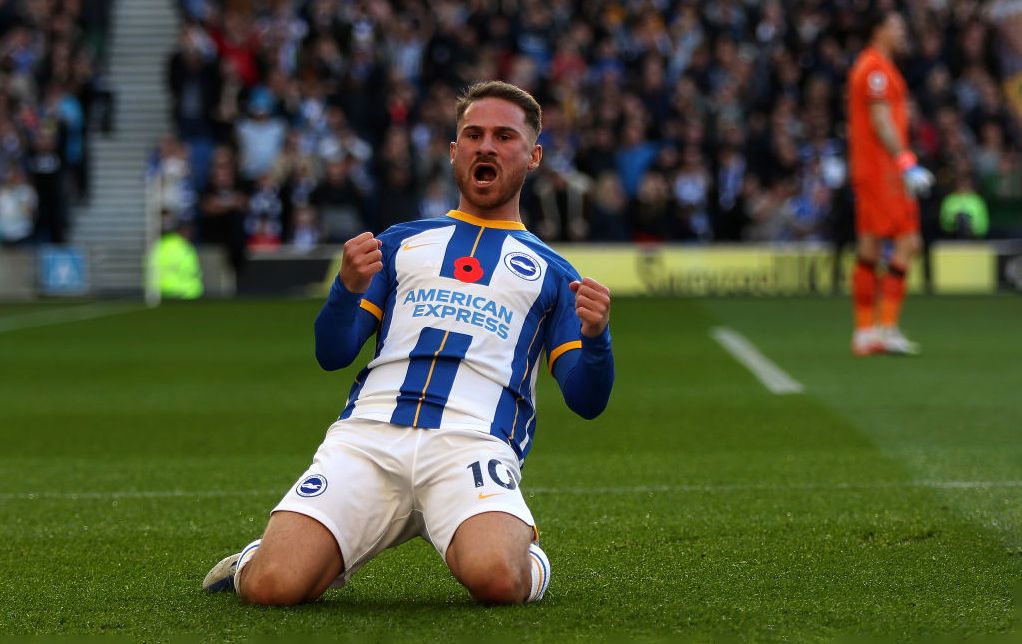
x=62, y=271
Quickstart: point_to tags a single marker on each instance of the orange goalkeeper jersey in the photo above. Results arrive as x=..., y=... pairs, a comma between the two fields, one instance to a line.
x=874, y=78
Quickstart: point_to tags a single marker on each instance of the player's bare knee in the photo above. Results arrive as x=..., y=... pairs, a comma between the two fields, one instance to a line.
x=270, y=585
x=497, y=581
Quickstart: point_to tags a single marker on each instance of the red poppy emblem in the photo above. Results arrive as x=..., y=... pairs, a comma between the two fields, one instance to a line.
x=468, y=269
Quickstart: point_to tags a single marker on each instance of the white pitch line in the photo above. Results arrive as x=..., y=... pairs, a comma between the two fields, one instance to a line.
x=773, y=377
x=634, y=489
x=62, y=315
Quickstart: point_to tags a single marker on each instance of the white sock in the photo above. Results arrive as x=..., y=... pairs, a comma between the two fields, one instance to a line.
x=246, y=556
x=539, y=565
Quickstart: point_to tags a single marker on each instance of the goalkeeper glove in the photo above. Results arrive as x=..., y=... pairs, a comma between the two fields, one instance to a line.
x=918, y=180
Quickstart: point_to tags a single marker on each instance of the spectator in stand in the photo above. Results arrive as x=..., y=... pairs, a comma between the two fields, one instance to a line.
x=47, y=171
x=399, y=197
x=635, y=156
x=260, y=136
x=294, y=175
x=557, y=209
x=990, y=150
x=608, y=215
x=597, y=150
x=237, y=43
x=194, y=84
x=436, y=199
x=340, y=139
x=399, y=187
x=1003, y=190
x=64, y=106
x=63, y=109
x=727, y=211
x=963, y=213
x=264, y=223
x=770, y=210
x=307, y=232
x=691, y=190
x=340, y=201
x=171, y=169
x=12, y=144
x=18, y=201
x=227, y=109
x=22, y=50
x=1007, y=16
x=223, y=206
x=808, y=213
x=653, y=211
x=264, y=235
x=298, y=190
x=291, y=158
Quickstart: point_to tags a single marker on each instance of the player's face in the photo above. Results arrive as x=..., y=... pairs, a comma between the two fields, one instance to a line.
x=896, y=34
x=494, y=152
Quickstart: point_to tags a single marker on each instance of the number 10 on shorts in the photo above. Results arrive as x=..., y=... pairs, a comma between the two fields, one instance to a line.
x=491, y=467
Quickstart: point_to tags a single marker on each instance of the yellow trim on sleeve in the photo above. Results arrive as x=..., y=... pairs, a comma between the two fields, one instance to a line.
x=561, y=350
x=372, y=308
x=486, y=223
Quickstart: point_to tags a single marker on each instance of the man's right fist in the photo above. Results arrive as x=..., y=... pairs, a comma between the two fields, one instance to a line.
x=361, y=260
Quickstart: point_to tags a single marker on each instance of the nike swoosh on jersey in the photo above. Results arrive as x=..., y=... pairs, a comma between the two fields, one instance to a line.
x=486, y=496
x=409, y=247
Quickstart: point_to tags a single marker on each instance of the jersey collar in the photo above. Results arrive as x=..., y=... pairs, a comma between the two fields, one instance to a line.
x=485, y=223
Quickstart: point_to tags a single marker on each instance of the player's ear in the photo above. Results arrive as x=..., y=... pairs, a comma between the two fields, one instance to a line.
x=454, y=149
x=535, y=157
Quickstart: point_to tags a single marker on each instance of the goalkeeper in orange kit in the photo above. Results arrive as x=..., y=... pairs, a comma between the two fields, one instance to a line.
x=886, y=181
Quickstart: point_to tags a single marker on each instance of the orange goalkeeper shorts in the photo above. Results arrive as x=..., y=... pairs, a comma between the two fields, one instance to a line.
x=884, y=209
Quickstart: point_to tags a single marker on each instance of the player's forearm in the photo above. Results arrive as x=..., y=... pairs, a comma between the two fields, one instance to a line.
x=883, y=126
x=586, y=376
x=341, y=328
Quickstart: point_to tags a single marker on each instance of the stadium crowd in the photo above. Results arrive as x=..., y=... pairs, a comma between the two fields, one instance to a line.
x=305, y=121
x=50, y=87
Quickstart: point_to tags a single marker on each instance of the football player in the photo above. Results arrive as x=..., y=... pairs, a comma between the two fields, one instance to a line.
x=435, y=429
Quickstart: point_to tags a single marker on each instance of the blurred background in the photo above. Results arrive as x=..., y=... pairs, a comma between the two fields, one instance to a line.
x=691, y=147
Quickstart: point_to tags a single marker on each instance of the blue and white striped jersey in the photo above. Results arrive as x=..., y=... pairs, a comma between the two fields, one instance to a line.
x=465, y=307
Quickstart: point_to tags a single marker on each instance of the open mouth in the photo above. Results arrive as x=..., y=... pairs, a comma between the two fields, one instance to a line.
x=484, y=174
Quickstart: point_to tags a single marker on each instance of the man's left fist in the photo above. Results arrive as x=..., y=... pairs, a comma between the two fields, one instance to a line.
x=592, y=304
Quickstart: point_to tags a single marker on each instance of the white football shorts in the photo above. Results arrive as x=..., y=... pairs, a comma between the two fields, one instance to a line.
x=375, y=485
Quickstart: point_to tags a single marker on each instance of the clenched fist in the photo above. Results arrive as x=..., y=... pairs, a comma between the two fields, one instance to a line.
x=592, y=304
x=362, y=259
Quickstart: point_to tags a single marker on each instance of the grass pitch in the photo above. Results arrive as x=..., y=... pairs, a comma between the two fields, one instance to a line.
x=140, y=447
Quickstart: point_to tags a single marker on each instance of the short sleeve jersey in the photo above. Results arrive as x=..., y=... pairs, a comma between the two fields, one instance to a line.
x=466, y=307
x=874, y=77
